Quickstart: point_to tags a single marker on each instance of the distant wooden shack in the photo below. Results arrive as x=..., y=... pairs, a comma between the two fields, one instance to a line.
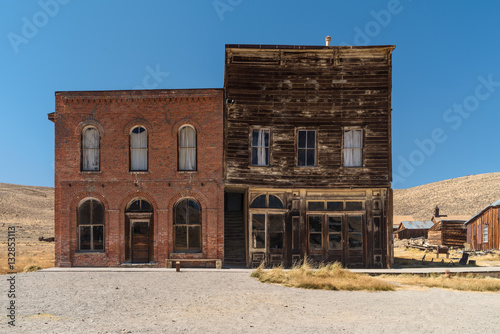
x=483, y=230
x=413, y=229
x=447, y=230
x=396, y=221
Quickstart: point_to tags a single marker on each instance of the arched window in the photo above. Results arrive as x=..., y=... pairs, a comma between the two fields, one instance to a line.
x=139, y=149
x=187, y=148
x=91, y=225
x=266, y=201
x=140, y=205
x=90, y=149
x=187, y=226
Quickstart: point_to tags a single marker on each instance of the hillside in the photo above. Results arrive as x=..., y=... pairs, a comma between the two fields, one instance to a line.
x=30, y=209
x=460, y=196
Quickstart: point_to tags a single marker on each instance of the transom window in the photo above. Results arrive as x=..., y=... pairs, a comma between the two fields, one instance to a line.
x=187, y=226
x=260, y=147
x=266, y=201
x=140, y=205
x=90, y=149
x=334, y=205
x=91, y=226
x=353, y=148
x=187, y=148
x=139, y=149
x=306, y=148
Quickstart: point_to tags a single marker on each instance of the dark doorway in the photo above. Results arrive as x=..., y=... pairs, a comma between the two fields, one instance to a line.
x=234, y=230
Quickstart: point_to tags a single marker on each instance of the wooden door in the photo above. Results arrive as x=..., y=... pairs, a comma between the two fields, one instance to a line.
x=335, y=239
x=140, y=241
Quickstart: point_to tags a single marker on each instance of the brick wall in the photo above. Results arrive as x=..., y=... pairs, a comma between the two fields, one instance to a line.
x=114, y=114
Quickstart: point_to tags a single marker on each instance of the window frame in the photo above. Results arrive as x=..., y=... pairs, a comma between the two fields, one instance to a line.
x=139, y=148
x=485, y=234
x=187, y=225
x=252, y=129
x=182, y=127
x=344, y=148
x=91, y=224
x=84, y=149
x=306, y=149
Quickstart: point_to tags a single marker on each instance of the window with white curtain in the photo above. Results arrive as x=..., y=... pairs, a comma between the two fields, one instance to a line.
x=139, y=149
x=260, y=147
x=187, y=148
x=485, y=234
x=90, y=149
x=353, y=148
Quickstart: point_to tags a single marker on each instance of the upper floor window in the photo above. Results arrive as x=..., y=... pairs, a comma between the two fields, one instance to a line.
x=260, y=147
x=91, y=225
x=187, y=148
x=353, y=148
x=139, y=149
x=306, y=148
x=90, y=149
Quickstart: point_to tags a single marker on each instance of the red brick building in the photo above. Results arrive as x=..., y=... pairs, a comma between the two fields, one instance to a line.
x=138, y=177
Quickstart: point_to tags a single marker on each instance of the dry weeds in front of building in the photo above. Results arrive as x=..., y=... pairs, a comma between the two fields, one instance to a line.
x=325, y=277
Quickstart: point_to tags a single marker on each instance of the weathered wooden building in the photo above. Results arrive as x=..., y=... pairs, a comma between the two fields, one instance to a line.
x=483, y=230
x=413, y=229
x=448, y=231
x=307, y=154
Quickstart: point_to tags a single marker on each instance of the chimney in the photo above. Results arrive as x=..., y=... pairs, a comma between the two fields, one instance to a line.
x=436, y=211
x=327, y=40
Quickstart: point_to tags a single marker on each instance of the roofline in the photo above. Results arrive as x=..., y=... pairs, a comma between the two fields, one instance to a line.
x=481, y=212
x=137, y=90
x=305, y=47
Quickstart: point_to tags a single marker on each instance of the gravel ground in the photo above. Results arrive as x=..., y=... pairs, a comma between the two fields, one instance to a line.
x=232, y=302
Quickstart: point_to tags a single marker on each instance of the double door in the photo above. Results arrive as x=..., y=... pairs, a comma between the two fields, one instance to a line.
x=337, y=237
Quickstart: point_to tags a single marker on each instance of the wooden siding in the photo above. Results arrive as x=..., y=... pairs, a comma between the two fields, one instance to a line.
x=323, y=89
x=448, y=233
x=411, y=233
x=491, y=218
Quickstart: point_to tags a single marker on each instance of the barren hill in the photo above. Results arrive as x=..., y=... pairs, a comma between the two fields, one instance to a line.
x=460, y=196
x=30, y=209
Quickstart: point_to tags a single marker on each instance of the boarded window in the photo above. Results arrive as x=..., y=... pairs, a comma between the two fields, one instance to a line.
x=306, y=148
x=139, y=149
x=187, y=226
x=353, y=148
x=91, y=226
x=90, y=149
x=260, y=147
x=187, y=148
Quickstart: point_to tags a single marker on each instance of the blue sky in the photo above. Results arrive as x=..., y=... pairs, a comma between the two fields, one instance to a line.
x=446, y=70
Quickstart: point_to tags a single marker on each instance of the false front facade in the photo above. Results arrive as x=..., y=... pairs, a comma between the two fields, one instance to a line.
x=307, y=154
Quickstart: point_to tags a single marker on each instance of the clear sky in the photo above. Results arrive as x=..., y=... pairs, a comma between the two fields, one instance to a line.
x=446, y=69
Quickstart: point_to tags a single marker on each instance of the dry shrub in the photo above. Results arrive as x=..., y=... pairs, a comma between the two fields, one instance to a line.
x=31, y=268
x=325, y=277
x=470, y=282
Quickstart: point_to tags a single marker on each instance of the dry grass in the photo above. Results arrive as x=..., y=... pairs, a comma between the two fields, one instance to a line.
x=470, y=282
x=325, y=277
x=29, y=254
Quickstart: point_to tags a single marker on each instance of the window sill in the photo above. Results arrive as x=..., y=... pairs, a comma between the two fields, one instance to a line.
x=139, y=172
x=90, y=172
x=90, y=252
x=187, y=252
x=187, y=171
